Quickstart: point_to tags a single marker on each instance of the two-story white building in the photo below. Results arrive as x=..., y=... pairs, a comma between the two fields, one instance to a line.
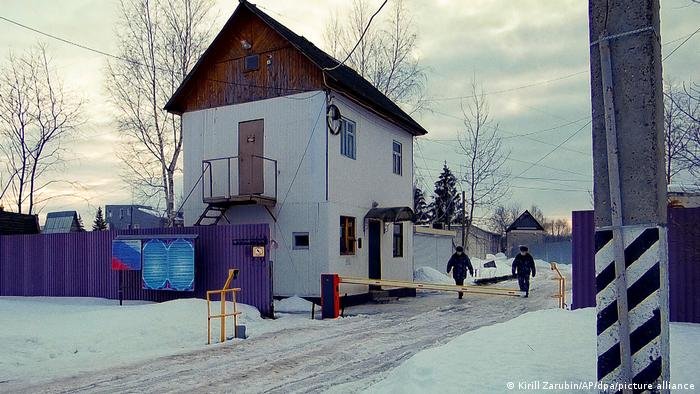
x=275, y=133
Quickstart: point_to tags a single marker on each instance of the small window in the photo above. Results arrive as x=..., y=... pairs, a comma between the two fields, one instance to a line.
x=251, y=63
x=347, y=235
x=109, y=213
x=397, y=158
x=398, y=240
x=301, y=241
x=122, y=212
x=348, y=140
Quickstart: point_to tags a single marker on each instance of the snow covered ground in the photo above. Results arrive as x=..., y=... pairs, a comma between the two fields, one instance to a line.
x=51, y=337
x=161, y=347
x=552, y=345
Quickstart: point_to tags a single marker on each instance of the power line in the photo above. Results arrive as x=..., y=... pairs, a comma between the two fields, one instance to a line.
x=511, y=89
x=681, y=44
x=555, y=148
x=358, y=41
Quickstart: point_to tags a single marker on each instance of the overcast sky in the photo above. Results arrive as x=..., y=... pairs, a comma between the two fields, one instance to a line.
x=512, y=47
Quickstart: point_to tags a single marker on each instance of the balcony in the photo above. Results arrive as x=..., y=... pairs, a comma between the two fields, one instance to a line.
x=239, y=180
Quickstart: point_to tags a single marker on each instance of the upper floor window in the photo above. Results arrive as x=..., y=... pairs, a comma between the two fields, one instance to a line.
x=301, y=241
x=397, y=157
x=251, y=63
x=348, y=140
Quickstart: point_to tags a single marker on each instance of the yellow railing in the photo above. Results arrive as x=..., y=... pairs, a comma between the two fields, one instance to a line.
x=561, y=294
x=232, y=273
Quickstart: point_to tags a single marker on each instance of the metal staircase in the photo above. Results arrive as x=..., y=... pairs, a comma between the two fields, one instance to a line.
x=212, y=215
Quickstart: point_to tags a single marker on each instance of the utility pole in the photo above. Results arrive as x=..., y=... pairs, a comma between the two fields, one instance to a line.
x=464, y=221
x=629, y=194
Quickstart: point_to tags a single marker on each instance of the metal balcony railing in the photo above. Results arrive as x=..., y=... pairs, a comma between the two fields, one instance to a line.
x=239, y=179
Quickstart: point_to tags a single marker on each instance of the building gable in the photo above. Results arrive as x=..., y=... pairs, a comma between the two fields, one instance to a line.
x=288, y=64
x=525, y=222
x=220, y=79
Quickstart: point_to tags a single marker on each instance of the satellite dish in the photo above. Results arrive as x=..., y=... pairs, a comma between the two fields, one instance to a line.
x=333, y=119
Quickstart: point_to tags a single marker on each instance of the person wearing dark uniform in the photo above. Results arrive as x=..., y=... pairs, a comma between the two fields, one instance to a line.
x=523, y=267
x=459, y=264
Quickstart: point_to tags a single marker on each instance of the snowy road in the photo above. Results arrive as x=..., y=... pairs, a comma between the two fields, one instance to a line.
x=345, y=355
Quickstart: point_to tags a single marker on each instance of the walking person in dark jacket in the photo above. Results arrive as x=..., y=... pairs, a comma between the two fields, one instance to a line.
x=524, y=266
x=459, y=264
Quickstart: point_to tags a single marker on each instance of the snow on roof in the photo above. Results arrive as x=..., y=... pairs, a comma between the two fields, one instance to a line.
x=681, y=188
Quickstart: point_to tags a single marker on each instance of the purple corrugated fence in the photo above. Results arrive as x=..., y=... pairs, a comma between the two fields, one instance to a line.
x=78, y=265
x=683, y=258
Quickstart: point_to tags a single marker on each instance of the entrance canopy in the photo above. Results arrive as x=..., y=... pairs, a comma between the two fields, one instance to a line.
x=390, y=214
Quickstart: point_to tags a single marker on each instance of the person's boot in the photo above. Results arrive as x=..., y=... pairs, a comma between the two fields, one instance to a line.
x=460, y=295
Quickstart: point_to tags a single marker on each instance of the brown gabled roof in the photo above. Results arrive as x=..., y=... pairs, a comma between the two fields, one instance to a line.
x=343, y=78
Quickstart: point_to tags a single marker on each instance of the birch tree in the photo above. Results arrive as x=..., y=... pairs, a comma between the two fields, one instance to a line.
x=36, y=117
x=159, y=42
x=386, y=56
x=486, y=177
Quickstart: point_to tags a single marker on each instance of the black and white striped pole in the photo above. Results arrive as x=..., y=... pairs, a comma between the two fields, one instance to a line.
x=630, y=195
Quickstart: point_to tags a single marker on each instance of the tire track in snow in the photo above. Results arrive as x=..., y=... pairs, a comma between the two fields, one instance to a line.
x=351, y=353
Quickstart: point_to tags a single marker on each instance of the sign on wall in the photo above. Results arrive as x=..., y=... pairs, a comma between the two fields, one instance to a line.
x=126, y=254
x=168, y=264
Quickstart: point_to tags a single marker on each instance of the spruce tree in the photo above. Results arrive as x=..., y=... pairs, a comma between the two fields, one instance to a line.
x=81, y=227
x=445, y=200
x=99, y=224
x=420, y=207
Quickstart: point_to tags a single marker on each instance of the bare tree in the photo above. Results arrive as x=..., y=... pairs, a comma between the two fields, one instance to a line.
x=690, y=107
x=36, y=116
x=159, y=41
x=486, y=178
x=676, y=131
x=386, y=56
x=561, y=228
x=503, y=216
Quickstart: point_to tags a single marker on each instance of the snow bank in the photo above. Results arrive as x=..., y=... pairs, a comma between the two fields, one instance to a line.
x=293, y=305
x=431, y=275
x=48, y=337
x=524, y=350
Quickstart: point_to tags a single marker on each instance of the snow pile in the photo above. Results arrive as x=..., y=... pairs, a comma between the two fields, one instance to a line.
x=431, y=275
x=502, y=269
x=46, y=337
x=293, y=305
x=524, y=350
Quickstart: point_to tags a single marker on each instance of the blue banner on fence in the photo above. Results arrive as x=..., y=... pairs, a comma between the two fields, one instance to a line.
x=168, y=264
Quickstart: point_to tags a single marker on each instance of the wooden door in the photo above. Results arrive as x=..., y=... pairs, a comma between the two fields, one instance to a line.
x=250, y=153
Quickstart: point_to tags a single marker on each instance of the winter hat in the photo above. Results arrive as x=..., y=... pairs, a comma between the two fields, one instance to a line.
x=459, y=249
x=523, y=248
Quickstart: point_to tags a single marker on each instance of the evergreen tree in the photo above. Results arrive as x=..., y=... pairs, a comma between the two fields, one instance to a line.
x=99, y=224
x=81, y=227
x=446, y=201
x=420, y=207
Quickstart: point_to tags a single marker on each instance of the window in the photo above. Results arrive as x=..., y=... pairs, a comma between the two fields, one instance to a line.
x=347, y=235
x=122, y=212
x=251, y=63
x=398, y=240
x=397, y=158
x=347, y=138
x=109, y=214
x=301, y=241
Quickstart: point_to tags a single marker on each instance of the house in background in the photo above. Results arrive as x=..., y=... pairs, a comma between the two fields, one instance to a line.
x=125, y=217
x=62, y=222
x=276, y=132
x=525, y=230
x=480, y=242
x=18, y=223
x=681, y=196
